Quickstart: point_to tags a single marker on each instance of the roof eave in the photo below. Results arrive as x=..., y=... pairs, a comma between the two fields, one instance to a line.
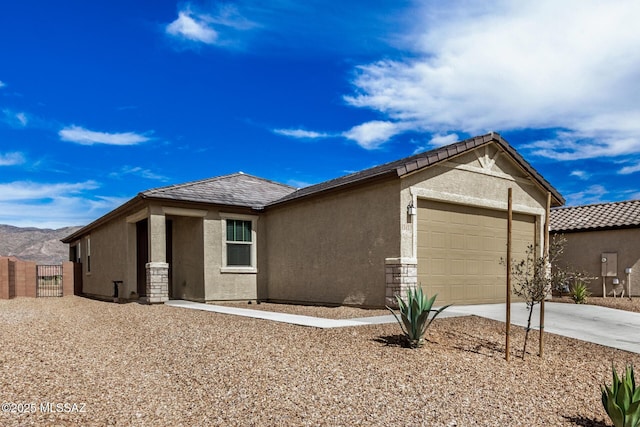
x=103, y=219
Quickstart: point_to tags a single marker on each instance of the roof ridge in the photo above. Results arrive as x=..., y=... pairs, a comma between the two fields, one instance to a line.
x=211, y=179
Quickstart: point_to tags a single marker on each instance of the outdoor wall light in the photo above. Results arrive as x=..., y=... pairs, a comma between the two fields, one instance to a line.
x=616, y=281
x=412, y=210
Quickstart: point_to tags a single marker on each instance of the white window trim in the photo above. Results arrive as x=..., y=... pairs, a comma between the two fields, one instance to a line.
x=253, y=268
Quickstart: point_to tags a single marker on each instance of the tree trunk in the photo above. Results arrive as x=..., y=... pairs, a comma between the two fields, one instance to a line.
x=526, y=334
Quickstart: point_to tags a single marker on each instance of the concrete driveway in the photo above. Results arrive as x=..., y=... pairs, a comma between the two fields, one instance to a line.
x=605, y=326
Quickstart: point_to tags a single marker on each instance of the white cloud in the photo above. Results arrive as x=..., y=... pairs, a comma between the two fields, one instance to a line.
x=25, y=190
x=438, y=140
x=373, y=134
x=221, y=26
x=627, y=170
x=192, y=27
x=84, y=136
x=583, y=175
x=301, y=133
x=507, y=65
x=590, y=195
x=138, y=171
x=22, y=118
x=22, y=204
x=11, y=159
x=15, y=119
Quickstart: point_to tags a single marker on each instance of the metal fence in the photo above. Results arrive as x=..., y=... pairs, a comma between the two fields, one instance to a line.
x=49, y=280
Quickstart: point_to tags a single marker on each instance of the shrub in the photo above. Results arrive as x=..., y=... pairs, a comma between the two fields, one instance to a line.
x=622, y=399
x=414, y=315
x=580, y=293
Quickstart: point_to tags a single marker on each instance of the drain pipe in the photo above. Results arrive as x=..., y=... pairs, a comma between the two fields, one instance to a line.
x=628, y=271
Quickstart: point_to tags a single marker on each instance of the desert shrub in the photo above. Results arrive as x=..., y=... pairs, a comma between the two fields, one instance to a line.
x=414, y=317
x=580, y=293
x=622, y=399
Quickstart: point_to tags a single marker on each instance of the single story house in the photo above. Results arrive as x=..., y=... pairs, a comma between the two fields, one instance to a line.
x=437, y=219
x=603, y=240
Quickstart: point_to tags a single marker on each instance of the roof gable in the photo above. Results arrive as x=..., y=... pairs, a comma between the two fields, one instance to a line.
x=596, y=217
x=407, y=165
x=238, y=189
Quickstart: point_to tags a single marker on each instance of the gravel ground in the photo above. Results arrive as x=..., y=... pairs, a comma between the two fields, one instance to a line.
x=131, y=364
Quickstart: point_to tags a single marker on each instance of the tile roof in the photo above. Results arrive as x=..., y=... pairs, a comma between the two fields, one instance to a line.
x=595, y=217
x=238, y=189
x=410, y=164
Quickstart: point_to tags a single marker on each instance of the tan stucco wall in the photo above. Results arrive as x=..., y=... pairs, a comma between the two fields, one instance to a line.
x=187, y=268
x=197, y=253
x=331, y=248
x=584, y=249
x=108, y=260
x=221, y=285
x=465, y=180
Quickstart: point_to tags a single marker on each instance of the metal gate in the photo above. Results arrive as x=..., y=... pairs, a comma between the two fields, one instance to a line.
x=49, y=280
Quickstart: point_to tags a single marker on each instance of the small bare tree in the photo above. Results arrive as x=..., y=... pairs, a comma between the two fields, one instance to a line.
x=534, y=279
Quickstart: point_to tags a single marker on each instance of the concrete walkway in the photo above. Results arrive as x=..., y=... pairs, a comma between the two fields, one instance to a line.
x=600, y=325
x=294, y=319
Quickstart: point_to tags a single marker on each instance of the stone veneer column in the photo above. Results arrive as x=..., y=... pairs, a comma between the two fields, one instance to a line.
x=401, y=274
x=157, y=282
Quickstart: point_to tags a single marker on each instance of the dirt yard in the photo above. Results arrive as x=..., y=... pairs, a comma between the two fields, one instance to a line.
x=73, y=361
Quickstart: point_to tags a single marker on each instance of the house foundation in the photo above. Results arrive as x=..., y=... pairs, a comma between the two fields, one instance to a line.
x=157, y=282
x=401, y=275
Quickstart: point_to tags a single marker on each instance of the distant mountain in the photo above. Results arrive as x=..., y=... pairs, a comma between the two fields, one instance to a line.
x=41, y=245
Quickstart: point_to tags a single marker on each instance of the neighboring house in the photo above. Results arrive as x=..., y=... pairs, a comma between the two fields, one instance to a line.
x=603, y=240
x=437, y=219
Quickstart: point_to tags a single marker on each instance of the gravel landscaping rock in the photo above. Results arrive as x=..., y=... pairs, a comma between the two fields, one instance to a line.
x=131, y=364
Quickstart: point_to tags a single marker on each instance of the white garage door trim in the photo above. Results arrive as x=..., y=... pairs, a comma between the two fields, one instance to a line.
x=459, y=248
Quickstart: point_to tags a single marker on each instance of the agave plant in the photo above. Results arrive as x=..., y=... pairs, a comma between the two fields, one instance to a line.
x=622, y=399
x=414, y=315
x=580, y=293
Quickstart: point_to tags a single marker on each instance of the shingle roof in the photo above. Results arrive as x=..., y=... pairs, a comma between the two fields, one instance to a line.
x=598, y=216
x=238, y=189
x=418, y=161
x=244, y=190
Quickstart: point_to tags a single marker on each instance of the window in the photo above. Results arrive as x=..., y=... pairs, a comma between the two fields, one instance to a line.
x=239, y=243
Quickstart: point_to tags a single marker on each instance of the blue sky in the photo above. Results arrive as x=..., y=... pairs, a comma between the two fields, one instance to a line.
x=100, y=100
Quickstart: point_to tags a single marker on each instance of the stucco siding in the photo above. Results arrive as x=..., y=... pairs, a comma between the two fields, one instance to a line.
x=108, y=259
x=187, y=268
x=468, y=181
x=332, y=248
x=584, y=251
x=220, y=285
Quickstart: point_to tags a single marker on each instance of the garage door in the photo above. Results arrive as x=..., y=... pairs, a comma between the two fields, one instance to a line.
x=459, y=251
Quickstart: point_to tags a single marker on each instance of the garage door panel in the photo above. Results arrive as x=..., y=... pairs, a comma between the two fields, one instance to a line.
x=459, y=251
